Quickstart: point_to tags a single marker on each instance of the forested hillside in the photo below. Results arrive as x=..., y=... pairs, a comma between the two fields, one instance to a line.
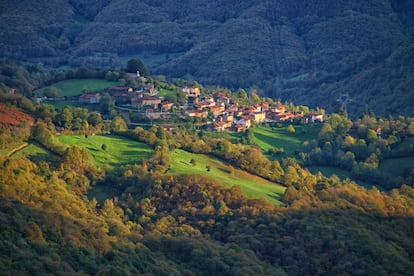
x=345, y=54
x=97, y=188
x=192, y=225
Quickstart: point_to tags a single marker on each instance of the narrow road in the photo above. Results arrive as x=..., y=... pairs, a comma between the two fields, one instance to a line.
x=13, y=151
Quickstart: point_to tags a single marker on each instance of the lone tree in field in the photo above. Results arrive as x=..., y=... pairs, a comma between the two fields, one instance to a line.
x=135, y=65
x=291, y=129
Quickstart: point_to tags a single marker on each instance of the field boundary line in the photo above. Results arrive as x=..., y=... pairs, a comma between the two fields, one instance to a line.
x=13, y=151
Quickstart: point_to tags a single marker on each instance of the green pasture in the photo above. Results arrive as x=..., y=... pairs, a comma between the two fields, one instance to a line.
x=274, y=137
x=37, y=154
x=119, y=150
x=60, y=104
x=70, y=88
x=251, y=185
x=340, y=173
x=404, y=149
x=329, y=171
x=397, y=166
x=164, y=92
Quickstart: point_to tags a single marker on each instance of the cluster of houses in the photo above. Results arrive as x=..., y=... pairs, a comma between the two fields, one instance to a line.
x=230, y=116
x=218, y=107
x=146, y=97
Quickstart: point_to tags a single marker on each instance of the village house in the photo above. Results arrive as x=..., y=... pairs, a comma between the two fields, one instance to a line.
x=259, y=117
x=166, y=106
x=197, y=113
x=222, y=126
x=285, y=117
x=146, y=101
x=239, y=128
x=264, y=106
x=245, y=122
x=152, y=114
x=202, y=105
x=192, y=91
x=314, y=118
x=192, y=101
x=277, y=109
x=248, y=110
x=149, y=89
x=216, y=109
x=221, y=98
x=256, y=108
x=228, y=116
x=12, y=91
x=234, y=110
x=90, y=98
x=121, y=98
x=207, y=99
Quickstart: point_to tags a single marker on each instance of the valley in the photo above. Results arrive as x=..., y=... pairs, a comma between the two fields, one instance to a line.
x=206, y=137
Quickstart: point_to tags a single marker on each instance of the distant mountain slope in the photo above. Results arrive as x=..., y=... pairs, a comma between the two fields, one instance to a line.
x=313, y=52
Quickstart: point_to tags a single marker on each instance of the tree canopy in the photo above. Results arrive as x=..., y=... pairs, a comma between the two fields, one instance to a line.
x=136, y=65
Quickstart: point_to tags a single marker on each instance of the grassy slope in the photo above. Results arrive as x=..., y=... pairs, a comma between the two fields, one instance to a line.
x=4, y=150
x=267, y=138
x=251, y=185
x=37, y=154
x=397, y=166
x=119, y=151
x=341, y=173
x=69, y=88
x=60, y=104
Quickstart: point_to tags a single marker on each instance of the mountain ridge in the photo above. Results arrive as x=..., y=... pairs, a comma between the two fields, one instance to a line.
x=310, y=52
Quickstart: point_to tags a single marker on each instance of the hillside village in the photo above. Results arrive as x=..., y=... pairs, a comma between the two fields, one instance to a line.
x=216, y=112
x=144, y=197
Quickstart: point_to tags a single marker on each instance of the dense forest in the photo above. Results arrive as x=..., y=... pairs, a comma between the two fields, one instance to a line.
x=155, y=222
x=317, y=53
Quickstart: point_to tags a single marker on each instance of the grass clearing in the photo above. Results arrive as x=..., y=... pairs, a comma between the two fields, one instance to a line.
x=60, y=104
x=341, y=173
x=36, y=154
x=397, y=166
x=253, y=186
x=119, y=150
x=70, y=88
x=273, y=137
x=5, y=149
x=165, y=92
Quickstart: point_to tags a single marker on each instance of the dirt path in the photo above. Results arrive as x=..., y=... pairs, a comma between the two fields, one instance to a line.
x=13, y=151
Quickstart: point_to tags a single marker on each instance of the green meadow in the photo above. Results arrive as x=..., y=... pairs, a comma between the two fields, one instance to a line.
x=37, y=154
x=119, y=150
x=60, y=104
x=397, y=166
x=340, y=173
x=278, y=137
x=70, y=88
x=251, y=185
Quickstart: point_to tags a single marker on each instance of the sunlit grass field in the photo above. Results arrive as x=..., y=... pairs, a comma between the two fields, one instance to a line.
x=251, y=185
x=70, y=88
x=119, y=150
x=60, y=104
x=269, y=138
